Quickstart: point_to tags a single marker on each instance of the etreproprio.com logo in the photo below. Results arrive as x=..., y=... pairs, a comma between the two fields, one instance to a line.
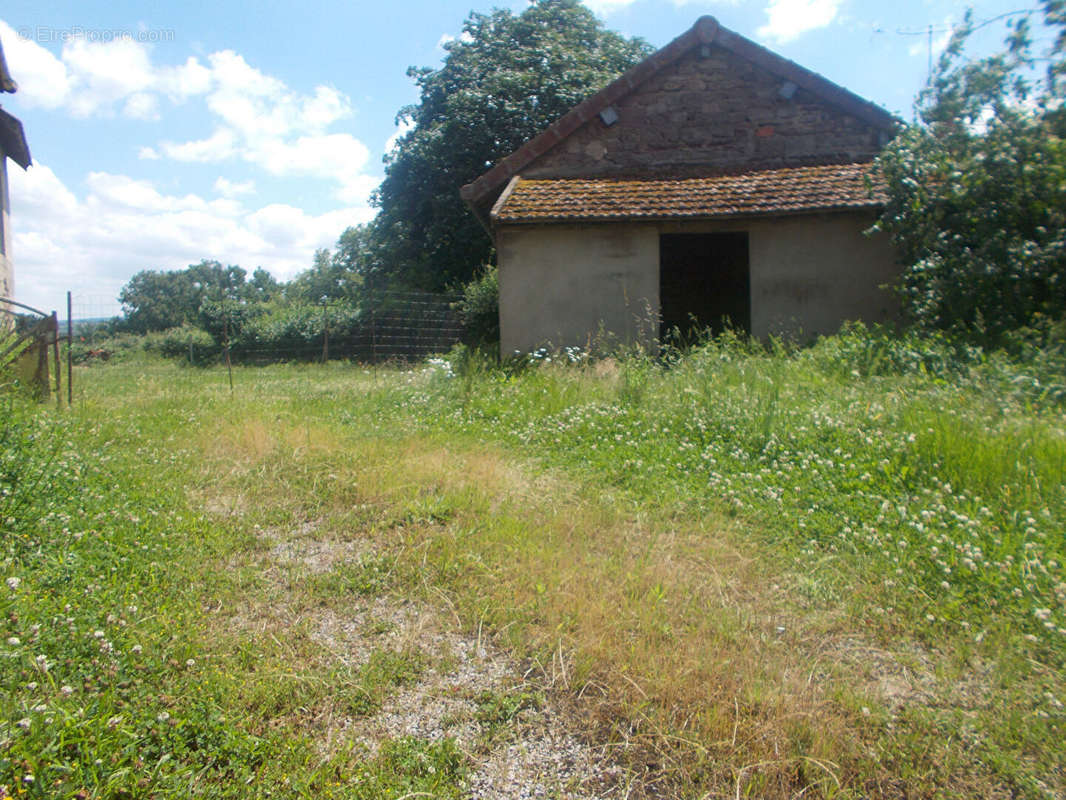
x=45, y=34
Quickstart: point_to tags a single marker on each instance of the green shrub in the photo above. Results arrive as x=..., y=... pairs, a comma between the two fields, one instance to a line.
x=187, y=342
x=479, y=310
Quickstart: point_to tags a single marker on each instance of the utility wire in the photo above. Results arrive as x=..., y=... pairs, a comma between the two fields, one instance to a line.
x=929, y=30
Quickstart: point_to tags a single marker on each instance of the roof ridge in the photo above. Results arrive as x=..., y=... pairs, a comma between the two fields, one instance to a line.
x=706, y=30
x=716, y=175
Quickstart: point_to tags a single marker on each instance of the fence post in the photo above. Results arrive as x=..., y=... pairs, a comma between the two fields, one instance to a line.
x=225, y=340
x=54, y=325
x=325, y=330
x=70, y=352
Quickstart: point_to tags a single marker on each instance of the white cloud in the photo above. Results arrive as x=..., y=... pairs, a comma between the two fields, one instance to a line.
x=42, y=78
x=106, y=73
x=141, y=106
x=125, y=225
x=182, y=82
x=217, y=147
x=265, y=123
x=228, y=188
x=96, y=78
x=790, y=19
x=604, y=8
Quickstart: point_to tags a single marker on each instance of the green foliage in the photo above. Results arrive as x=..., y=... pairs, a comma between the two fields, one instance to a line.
x=155, y=300
x=334, y=277
x=296, y=330
x=187, y=342
x=977, y=191
x=479, y=310
x=505, y=80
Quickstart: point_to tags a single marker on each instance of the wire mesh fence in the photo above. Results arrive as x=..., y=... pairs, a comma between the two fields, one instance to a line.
x=381, y=326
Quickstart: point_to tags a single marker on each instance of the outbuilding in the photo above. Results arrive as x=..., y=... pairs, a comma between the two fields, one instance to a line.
x=12, y=145
x=715, y=180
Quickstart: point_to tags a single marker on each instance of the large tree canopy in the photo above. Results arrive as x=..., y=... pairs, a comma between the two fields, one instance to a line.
x=503, y=81
x=155, y=300
x=978, y=187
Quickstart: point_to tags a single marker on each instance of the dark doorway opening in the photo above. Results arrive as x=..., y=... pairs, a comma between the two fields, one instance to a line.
x=704, y=281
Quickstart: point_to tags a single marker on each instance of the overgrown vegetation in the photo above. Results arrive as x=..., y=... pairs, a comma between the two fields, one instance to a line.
x=754, y=569
x=977, y=190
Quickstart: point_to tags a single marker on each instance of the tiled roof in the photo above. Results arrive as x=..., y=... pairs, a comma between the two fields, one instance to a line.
x=773, y=191
x=705, y=31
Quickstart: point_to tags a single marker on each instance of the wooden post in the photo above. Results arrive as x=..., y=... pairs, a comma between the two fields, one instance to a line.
x=70, y=352
x=325, y=331
x=225, y=345
x=54, y=325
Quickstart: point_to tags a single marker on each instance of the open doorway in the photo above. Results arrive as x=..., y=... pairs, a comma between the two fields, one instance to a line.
x=704, y=281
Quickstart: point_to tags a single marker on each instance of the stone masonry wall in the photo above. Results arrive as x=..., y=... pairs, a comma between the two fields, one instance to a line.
x=710, y=111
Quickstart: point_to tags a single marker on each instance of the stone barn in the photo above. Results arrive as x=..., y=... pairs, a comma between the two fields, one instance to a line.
x=12, y=145
x=715, y=180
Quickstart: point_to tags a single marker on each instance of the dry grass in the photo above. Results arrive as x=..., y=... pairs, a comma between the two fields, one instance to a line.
x=681, y=646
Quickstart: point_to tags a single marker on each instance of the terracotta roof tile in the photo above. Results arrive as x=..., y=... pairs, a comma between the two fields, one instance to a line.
x=774, y=191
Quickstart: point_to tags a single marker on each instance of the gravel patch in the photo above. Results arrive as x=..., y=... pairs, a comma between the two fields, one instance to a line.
x=536, y=752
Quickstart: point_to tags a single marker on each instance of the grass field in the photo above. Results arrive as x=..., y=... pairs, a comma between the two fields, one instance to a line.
x=834, y=572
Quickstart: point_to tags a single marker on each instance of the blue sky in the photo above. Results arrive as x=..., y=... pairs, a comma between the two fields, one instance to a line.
x=254, y=135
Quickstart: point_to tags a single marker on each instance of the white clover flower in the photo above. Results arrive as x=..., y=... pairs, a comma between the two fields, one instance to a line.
x=24, y=723
x=66, y=691
x=190, y=662
x=13, y=641
x=13, y=582
x=163, y=716
x=1042, y=613
x=136, y=649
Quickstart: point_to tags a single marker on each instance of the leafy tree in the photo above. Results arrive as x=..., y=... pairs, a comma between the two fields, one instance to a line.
x=335, y=276
x=155, y=300
x=977, y=189
x=506, y=79
x=262, y=288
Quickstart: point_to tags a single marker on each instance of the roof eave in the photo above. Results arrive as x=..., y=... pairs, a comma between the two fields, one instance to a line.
x=656, y=218
x=13, y=140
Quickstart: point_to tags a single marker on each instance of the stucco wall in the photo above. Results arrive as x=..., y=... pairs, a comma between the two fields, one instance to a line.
x=810, y=274
x=711, y=110
x=7, y=274
x=562, y=285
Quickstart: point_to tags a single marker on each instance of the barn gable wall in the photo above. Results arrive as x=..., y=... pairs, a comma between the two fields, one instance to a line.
x=712, y=110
